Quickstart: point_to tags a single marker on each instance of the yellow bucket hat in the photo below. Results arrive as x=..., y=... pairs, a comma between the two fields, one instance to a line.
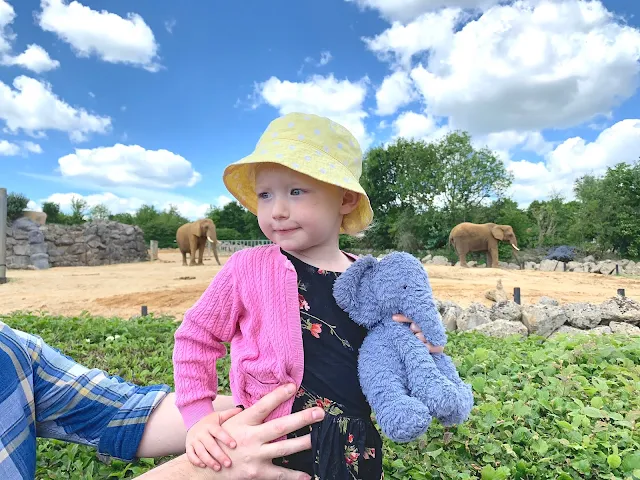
x=314, y=146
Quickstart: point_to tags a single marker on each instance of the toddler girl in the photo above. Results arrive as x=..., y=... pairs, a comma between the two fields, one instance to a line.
x=275, y=303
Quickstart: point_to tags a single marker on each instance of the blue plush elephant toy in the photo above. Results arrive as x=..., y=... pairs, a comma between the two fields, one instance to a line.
x=405, y=385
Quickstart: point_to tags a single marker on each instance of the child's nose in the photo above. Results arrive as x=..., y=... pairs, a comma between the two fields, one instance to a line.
x=280, y=209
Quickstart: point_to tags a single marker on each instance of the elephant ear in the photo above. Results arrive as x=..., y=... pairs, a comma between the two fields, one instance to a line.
x=497, y=233
x=353, y=291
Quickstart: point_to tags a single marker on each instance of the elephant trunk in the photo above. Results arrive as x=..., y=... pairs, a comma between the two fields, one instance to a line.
x=516, y=256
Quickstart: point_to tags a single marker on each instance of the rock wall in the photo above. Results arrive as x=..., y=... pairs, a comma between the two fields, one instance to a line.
x=547, y=318
x=588, y=265
x=32, y=246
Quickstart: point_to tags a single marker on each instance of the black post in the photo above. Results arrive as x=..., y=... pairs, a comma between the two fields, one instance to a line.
x=516, y=295
x=621, y=292
x=564, y=266
x=144, y=310
x=617, y=270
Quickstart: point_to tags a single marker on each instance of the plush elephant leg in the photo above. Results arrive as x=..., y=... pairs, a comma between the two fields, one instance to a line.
x=426, y=382
x=192, y=248
x=401, y=417
x=461, y=413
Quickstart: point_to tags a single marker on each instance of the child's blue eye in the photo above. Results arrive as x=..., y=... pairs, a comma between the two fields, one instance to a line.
x=263, y=195
x=296, y=191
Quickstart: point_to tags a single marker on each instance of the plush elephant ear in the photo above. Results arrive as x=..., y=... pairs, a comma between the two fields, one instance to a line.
x=497, y=233
x=354, y=293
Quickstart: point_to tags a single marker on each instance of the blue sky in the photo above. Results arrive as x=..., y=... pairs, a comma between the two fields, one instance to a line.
x=128, y=103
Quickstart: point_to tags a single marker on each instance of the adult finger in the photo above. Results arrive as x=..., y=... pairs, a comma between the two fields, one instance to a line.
x=256, y=414
x=205, y=457
x=280, y=427
x=420, y=337
x=271, y=472
x=401, y=318
x=414, y=327
x=286, y=447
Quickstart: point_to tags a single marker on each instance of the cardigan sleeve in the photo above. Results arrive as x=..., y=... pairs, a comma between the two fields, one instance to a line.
x=211, y=321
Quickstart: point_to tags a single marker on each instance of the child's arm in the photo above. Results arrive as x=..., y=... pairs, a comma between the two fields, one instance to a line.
x=198, y=345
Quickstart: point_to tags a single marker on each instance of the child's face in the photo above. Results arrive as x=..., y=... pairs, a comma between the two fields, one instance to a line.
x=298, y=212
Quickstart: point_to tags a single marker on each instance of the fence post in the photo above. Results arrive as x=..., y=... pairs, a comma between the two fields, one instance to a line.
x=516, y=295
x=3, y=235
x=154, y=250
x=621, y=292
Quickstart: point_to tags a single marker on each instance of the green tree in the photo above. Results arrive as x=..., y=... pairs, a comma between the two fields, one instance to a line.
x=53, y=212
x=468, y=176
x=99, y=212
x=16, y=204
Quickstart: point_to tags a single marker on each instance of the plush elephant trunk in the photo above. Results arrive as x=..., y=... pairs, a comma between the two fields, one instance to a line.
x=425, y=314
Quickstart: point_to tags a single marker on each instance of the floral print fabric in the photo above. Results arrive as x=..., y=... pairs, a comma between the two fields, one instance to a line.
x=346, y=444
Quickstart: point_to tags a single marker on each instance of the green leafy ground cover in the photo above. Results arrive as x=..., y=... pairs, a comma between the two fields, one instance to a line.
x=558, y=409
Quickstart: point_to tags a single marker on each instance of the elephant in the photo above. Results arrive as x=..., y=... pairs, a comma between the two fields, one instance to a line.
x=473, y=237
x=193, y=236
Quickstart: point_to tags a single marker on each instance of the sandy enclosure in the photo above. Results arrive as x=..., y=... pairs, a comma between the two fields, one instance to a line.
x=166, y=287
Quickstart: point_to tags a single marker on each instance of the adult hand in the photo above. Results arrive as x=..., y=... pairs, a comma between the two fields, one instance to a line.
x=418, y=333
x=255, y=447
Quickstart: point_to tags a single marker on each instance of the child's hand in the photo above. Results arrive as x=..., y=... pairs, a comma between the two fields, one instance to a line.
x=418, y=333
x=202, y=446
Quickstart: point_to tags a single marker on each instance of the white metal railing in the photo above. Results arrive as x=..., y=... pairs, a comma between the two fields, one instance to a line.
x=231, y=246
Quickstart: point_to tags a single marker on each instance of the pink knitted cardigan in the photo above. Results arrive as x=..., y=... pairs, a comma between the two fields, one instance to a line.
x=253, y=304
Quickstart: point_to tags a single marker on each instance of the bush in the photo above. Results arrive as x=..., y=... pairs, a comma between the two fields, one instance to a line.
x=228, y=234
x=16, y=204
x=566, y=408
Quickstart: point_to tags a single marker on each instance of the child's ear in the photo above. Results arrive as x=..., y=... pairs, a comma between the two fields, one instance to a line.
x=349, y=202
x=354, y=293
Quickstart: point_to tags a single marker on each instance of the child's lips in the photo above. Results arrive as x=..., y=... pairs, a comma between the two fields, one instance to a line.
x=286, y=231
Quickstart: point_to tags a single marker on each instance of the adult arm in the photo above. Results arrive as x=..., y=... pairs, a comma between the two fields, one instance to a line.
x=166, y=418
x=253, y=455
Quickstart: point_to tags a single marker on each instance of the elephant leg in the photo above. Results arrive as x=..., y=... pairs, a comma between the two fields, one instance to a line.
x=201, y=245
x=184, y=258
x=192, y=249
x=462, y=256
x=489, y=261
x=494, y=257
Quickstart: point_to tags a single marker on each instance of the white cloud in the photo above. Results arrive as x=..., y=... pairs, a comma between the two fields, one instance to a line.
x=33, y=108
x=526, y=66
x=407, y=10
x=109, y=36
x=395, y=91
x=169, y=25
x=573, y=158
x=411, y=125
x=8, y=149
x=189, y=208
x=34, y=58
x=431, y=31
x=325, y=57
x=340, y=100
x=129, y=165
x=32, y=147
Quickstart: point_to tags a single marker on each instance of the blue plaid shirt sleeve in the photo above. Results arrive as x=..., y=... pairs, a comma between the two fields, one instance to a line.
x=47, y=394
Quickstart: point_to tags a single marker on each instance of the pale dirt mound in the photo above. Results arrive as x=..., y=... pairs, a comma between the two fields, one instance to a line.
x=166, y=287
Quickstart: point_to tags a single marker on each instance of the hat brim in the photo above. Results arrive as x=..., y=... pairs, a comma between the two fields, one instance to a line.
x=239, y=178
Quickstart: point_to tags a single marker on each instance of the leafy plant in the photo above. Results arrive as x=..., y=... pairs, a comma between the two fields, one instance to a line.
x=566, y=408
x=16, y=204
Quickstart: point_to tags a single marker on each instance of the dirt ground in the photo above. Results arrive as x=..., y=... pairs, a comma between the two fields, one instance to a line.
x=166, y=287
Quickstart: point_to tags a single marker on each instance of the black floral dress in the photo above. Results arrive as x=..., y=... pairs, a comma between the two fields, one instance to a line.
x=346, y=444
